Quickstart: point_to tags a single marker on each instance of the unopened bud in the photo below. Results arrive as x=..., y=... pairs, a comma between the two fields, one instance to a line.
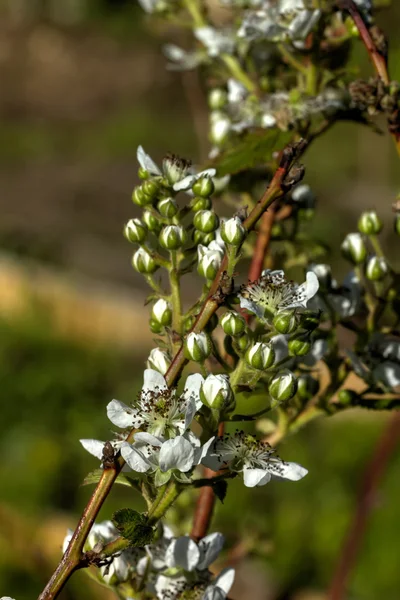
x=217, y=98
x=203, y=187
x=199, y=203
x=155, y=326
x=309, y=320
x=135, y=231
x=347, y=397
x=211, y=323
x=167, y=207
x=210, y=259
x=150, y=189
x=143, y=173
x=172, y=237
x=303, y=196
x=216, y=392
x=220, y=125
x=260, y=356
x=233, y=324
x=152, y=223
x=283, y=386
x=307, y=387
x=369, y=223
x=158, y=360
x=286, y=322
x=143, y=262
x=298, y=346
x=242, y=342
x=188, y=323
x=203, y=238
x=139, y=197
x=353, y=248
x=232, y=231
x=162, y=312
x=206, y=221
x=197, y=347
x=377, y=268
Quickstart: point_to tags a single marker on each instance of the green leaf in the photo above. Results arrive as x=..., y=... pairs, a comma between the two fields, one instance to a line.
x=133, y=526
x=255, y=148
x=220, y=488
x=94, y=477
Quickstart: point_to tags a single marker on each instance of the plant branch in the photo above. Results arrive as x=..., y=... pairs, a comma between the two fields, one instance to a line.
x=373, y=475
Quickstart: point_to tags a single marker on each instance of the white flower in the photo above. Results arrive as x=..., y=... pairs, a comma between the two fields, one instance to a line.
x=181, y=60
x=159, y=361
x=186, y=554
x=221, y=586
x=197, y=346
x=273, y=293
x=242, y=453
x=216, y=391
x=209, y=259
x=158, y=410
x=220, y=126
x=236, y=91
x=268, y=120
x=216, y=41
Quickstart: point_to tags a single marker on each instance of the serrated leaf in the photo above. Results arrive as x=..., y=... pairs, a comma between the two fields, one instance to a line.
x=133, y=526
x=255, y=148
x=94, y=477
x=220, y=488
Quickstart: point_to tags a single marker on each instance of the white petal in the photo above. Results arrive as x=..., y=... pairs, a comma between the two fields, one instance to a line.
x=122, y=415
x=135, y=459
x=153, y=381
x=95, y=447
x=202, y=451
x=206, y=173
x=184, y=183
x=280, y=345
x=214, y=593
x=183, y=552
x=169, y=587
x=287, y=470
x=255, y=477
x=191, y=409
x=177, y=453
x=147, y=438
x=251, y=307
x=146, y=162
x=225, y=579
x=312, y=284
x=210, y=547
x=192, y=388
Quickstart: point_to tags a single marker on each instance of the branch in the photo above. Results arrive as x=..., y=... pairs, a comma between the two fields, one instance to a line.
x=285, y=176
x=366, y=500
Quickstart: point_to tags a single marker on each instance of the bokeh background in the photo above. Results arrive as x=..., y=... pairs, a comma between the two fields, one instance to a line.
x=83, y=82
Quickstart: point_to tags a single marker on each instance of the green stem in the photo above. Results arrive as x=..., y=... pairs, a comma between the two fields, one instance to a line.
x=291, y=60
x=167, y=495
x=174, y=280
x=312, y=79
x=195, y=12
x=236, y=376
x=375, y=243
x=238, y=73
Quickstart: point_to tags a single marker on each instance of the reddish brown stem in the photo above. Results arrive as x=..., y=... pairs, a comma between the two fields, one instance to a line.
x=366, y=501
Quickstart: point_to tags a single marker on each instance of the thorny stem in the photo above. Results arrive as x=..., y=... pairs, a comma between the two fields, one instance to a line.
x=71, y=560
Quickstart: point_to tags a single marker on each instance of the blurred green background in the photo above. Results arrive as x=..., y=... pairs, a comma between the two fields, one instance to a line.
x=82, y=84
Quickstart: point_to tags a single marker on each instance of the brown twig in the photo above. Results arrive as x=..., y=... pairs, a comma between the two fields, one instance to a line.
x=374, y=472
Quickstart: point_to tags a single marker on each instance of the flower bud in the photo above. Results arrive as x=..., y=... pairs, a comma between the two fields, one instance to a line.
x=143, y=173
x=303, y=196
x=155, y=327
x=211, y=324
x=188, y=323
x=139, y=197
x=353, y=248
x=161, y=312
x=347, y=397
x=298, y=346
x=369, y=223
x=260, y=356
x=210, y=259
x=159, y=361
x=143, y=262
x=283, y=386
x=206, y=221
x=152, y=223
x=307, y=387
x=167, y=207
x=232, y=231
x=150, y=189
x=286, y=322
x=217, y=98
x=242, y=342
x=198, y=203
x=172, y=237
x=135, y=231
x=324, y=275
x=220, y=125
x=203, y=238
x=309, y=320
x=197, y=347
x=203, y=187
x=377, y=268
x=233, y=324
x=216, y=392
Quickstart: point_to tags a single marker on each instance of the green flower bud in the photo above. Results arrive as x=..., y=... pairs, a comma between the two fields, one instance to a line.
x=286, y=322
x=150, y=188
x=143, y=262
x=242, y=342
x=155, y=327
x=298, y=346
x=139, y=197
x=347, y=397
x=377, y=268
x=188, y=323
x=220, y=126
x=233, y=324
x=260, y=356
x=197, y=347
x=353, y=248
x=309, y=320
x=306, y=214
x=210, y=259
x=172, y=237
x=212, y=323
x=216, y=393
x=369, y=223
x=162, y=313
x=217, y=98
x=206, y=221
x=143, y=174
x=159, y=361
x=135, y=231
x=167, y=207
x=203, y=187
x=283, y=386
x=232, y=231
x=203, y=238
x=307, y=387
x=198, y=203
x=152, y=223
